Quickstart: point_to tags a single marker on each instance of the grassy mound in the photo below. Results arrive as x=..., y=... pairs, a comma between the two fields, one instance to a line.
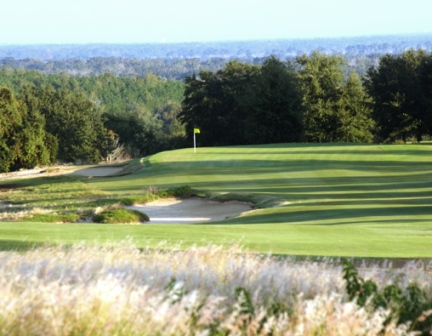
x=117, y=216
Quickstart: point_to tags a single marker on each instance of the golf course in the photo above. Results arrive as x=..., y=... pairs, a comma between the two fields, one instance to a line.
x=339, y=200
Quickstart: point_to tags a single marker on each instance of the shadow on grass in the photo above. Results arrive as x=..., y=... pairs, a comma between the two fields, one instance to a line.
x=294, y=164
x=311, y=217
x=19, y=246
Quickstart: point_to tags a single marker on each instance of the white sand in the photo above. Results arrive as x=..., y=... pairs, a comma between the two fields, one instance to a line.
x=190, y=210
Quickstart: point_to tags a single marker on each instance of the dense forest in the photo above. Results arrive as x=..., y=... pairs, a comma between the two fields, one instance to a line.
x=85, y=119
x=315, y=97
x=311, y=100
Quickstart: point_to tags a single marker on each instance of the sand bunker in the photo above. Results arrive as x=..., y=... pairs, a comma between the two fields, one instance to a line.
x=98, y=171
x=191, y=210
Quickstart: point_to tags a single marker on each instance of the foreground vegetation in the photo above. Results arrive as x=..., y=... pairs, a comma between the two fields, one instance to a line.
x=334, y=200
x=121, y=290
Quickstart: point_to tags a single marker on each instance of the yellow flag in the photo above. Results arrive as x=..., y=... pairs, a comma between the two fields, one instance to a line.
x=197, y=131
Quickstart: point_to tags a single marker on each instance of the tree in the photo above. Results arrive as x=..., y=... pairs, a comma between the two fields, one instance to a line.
x=336, y=108
x=201, y=106
x=38, y=148
x=11, y=119
x=396, y=89
x=76, y=123
x=136, y=128
x=244, y=104
x=322, y=78
x=274, y=105
x=23, y=140
x=212, y=102
x=426, y=89
x=354, y=122
x=171, y=134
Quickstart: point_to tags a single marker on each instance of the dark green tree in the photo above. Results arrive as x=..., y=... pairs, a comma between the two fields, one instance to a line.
x=23, y=140
x=171, y=134
x=201, y=107
x=397, y=93
x=136, y=128
x=426, y=97
x=274, y=105
x=235, y=81
x=39, y=147
x=11, y=120
x=213, y=102
x=245, y=104
x=76, y=123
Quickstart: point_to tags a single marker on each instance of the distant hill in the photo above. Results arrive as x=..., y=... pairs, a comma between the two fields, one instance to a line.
x=365, y=45
x=178, y=60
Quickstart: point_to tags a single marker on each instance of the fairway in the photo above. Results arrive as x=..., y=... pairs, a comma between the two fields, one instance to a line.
x=312, y=199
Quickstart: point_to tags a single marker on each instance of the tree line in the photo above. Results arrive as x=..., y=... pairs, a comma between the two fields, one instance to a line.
x=311, y=99
x=57, y=117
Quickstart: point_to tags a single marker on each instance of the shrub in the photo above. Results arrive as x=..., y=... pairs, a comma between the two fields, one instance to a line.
x=116, y=216
x=407, y=305
x=180, y=191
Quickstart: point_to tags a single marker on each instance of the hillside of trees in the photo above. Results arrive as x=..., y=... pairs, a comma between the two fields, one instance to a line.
x=50, y=118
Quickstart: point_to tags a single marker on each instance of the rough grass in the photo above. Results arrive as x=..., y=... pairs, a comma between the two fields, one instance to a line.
x=122, y=290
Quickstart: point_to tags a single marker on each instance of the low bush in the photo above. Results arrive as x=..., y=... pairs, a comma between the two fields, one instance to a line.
x=116, y=216
x=180, y=191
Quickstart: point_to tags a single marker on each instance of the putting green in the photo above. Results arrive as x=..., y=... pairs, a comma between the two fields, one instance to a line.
x=334, y=199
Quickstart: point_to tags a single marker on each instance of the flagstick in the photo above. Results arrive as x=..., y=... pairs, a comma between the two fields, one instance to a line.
x=194, y=142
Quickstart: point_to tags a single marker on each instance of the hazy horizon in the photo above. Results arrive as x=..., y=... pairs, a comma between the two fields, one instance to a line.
x=170, y=21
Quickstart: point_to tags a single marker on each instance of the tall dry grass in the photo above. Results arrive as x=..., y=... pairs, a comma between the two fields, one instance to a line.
x=121, y=290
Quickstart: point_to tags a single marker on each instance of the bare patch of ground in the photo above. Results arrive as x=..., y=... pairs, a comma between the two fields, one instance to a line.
x=61, y=170
x=191, y=210
x=28, y=173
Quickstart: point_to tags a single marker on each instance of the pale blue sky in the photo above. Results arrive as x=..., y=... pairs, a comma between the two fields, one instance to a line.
x=140, y=21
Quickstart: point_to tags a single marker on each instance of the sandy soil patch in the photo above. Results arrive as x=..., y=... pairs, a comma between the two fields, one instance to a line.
x=60, y=170
x=37, y=172
x=190, y=210
x=97, y=171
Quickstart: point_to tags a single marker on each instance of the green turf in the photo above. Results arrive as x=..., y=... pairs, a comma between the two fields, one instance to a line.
x=337, y=199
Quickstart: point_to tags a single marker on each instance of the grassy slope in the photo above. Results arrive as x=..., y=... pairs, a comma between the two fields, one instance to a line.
x=351, y=200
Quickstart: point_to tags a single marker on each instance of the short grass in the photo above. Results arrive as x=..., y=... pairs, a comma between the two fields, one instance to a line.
x=315, y=199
